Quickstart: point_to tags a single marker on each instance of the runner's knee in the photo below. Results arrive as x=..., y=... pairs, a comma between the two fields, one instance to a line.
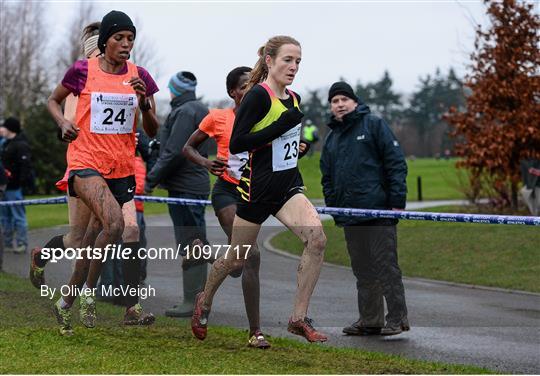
x=253, y=260
x=131, y=234
x=73, y=239
x=236, y=263
x=316, y=243
x=254, y=253
x=114, y=229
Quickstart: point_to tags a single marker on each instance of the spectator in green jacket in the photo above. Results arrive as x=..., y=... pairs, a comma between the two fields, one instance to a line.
x=310, y=133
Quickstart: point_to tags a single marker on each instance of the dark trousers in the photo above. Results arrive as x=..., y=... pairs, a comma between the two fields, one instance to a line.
x=111, y=275
x=1, y=247
x=374, y=261
x=189, y=224
x=188, y=220
x=14, y=220
x=142, y=242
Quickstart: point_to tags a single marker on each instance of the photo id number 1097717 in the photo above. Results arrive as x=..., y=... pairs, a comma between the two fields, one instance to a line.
x=208, y=251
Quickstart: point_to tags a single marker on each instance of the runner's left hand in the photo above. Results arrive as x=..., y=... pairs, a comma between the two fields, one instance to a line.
x=303, y=148
x=140, y=88
x=138, y=85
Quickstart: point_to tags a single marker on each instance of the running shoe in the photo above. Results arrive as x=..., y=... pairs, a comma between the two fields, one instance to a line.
x=87, y=310
x=63, y=317
x=135, y=315
x=199, y=320
x=258, y=341
x=37, y=274
x=305, y=329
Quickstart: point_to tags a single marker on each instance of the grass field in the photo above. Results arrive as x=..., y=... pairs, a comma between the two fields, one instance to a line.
x=489, y=255
x=440, y=179
x=30, y=343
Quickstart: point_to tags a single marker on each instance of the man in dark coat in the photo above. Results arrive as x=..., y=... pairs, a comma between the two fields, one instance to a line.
x=363, y=166
x=185, y=179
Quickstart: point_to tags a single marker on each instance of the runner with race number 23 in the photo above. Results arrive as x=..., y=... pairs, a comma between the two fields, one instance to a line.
x=267, y=125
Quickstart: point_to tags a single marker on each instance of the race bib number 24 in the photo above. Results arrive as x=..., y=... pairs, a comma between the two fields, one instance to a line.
x=112, y=113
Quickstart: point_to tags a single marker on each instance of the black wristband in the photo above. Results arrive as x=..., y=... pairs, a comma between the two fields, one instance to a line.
x=146, y=106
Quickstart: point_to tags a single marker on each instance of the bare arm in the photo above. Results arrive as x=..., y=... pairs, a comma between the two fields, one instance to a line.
x=150, y=121
x=147, y=106
x=190, y=151
x=69, y=130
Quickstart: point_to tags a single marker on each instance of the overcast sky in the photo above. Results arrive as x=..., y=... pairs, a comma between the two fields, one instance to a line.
x=354, y=40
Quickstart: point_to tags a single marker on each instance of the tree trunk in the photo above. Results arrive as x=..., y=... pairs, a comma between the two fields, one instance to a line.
x=514, y=197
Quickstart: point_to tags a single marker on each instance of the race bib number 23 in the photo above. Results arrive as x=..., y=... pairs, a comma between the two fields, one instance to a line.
x=113, y=113
x=285, y=150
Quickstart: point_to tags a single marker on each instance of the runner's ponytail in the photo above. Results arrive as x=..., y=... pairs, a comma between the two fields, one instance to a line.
x=260, y=71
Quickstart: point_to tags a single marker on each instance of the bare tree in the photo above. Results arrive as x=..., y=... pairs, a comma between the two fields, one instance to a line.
x=144, y=52
x=71, y=50
x=24, y=85
x=23, y=40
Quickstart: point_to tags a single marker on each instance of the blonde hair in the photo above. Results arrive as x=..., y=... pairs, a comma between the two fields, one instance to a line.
x=90, y=38
x=271, y=48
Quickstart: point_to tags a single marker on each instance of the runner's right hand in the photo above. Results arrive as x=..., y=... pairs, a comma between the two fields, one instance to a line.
x=291, y=117
x=69, y=131
x=217, y=167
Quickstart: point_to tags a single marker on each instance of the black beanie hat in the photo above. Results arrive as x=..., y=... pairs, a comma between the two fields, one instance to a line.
x=342, y=88
x=113, y=22
x=12, y=125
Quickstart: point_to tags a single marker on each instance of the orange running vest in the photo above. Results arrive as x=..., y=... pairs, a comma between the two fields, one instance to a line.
x=107, y=117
